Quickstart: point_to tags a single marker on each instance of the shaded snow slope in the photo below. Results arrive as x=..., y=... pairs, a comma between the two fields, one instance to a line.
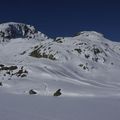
x=84, y=65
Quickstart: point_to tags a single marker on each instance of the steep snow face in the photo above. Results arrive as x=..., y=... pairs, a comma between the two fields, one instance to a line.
x=83, y=65
x=13, y=30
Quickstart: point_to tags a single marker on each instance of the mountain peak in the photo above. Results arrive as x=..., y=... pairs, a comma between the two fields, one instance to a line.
x=89, y=33
x=13, y=30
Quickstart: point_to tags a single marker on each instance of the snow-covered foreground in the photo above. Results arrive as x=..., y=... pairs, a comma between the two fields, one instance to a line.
x=32, y=107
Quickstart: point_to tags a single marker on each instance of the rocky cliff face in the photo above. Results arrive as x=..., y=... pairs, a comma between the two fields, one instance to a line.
x=13, y=30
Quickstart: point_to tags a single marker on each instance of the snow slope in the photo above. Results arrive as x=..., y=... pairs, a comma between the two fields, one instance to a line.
x=84, y=65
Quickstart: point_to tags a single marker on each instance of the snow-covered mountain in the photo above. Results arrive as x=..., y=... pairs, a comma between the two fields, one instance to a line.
x=87, y=64
x=13, y=30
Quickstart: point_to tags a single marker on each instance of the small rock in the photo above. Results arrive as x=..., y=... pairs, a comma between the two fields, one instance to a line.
x=13, y=67
x=32, y=92
x=23, y=75
x=1, y=84
x=57, y=93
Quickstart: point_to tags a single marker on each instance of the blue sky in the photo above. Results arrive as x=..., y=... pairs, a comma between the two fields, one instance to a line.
x=65, y=17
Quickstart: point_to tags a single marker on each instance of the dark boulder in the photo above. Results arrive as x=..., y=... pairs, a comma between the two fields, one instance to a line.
x=1, y=84
x=5, y=68
x=32, y=92
x=1, y=65
x=13, y=67
x=23, y=75
x=57, y=93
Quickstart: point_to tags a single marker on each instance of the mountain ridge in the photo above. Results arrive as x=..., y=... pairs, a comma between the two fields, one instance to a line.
x=86, y=64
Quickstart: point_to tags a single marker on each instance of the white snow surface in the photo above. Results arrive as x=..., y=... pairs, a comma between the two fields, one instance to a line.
x=22, y=107
x=85, y=67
